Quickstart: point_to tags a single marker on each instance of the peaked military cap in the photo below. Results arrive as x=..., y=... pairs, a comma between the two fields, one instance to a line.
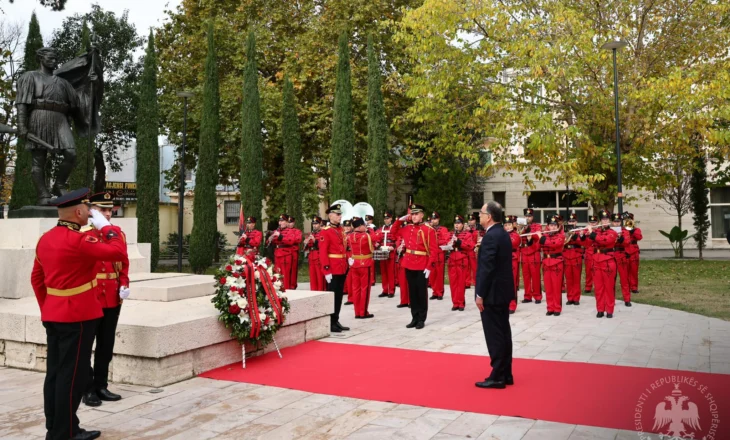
x=416, y=208
x=616, y=217
x=334, y=209
x=592, y=218
x=435, y=214
x=102, y=200
x=347, y=223
x=357, y=221
x=316, y=220
x=604, y=214
x=458, y=219
x=251, y=219
x=554, y=219
x=387, y=214
x=73, y=198
x=573, y=217
x=529, y=211
x=369, y=217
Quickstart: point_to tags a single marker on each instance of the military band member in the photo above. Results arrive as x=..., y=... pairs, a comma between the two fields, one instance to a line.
x=632, y=251
x=333, y=260
x=436, y=279
x=347, y=227
x=530, y=259
x=285, y=248
x=551, y=244
x=112, y=286
x=250, y=241
x=386, y=238
x=297, y=236
x=402, y=282
x=622, y=260
x=573, y=260
x=419, y=261
x=510, y=225
x=463, y=245
x=361, y=264
x=371, y=230
x=64, y=281
x=590, y=250
x=477, y=232
x=311, y=246
x=604, y=265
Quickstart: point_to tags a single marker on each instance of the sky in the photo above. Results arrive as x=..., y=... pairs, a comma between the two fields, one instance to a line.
x=143, y=13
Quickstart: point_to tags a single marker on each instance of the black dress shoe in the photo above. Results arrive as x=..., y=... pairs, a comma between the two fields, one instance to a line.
x=609, y=315
x=453, y=309
x=432, y=297
x=91, y=399
x=549, y=314
x=569, y=303
x=510, y=380
x=440, y=298
x=511, y=312
x=391, y=295
x=348, y=303
x=369, y=315
x=334, y=329
x=108, y=396
x=342, y=327
x=587, y=291
x=627, y=303
x=359, y=317
x=538, y=301
x=576, y=303
x=86, y=435
x=400, y=306
x=420, y=325
x=599, y=315
x=382, y=295
x=634, y=291
x=491, y=384
x=556, y=314
x=411, y=325
x=526, y=301
x=461, y=309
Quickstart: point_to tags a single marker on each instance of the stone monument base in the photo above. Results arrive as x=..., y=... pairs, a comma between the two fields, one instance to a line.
x=34, y=212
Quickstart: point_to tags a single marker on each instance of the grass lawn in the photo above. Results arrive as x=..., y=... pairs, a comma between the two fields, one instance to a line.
x=694, y=286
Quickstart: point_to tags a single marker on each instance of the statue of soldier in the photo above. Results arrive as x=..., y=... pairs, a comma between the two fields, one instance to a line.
x=47, y=103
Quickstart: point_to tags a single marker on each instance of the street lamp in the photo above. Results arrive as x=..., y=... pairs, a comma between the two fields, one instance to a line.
x=614, y=46
x=181, y=201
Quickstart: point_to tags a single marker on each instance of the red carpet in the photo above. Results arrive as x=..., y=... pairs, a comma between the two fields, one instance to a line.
x=567, y=392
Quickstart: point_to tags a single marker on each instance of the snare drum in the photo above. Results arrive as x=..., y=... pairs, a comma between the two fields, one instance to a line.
x=380, y=254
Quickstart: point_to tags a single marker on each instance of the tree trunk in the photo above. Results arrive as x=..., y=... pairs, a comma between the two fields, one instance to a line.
x=681, y=243
x=100, y=171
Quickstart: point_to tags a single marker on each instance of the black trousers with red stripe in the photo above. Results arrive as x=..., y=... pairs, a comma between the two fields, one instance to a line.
x=67, y=370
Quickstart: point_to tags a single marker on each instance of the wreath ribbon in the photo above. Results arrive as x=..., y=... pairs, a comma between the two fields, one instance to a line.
x=253, y=307
x=271, y=294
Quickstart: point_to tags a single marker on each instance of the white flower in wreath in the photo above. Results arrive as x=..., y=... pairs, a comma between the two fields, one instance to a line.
x=262, y=316
x=233, y=296
x=277, y=285
x=262, y=263
x=242, y=317
x=242, y=303
x=256, y=274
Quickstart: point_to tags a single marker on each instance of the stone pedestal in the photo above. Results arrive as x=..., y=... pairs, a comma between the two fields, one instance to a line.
x=18, y=239
x=34, y=212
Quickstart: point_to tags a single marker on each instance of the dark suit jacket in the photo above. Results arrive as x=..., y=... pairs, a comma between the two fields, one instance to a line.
x=494, y=268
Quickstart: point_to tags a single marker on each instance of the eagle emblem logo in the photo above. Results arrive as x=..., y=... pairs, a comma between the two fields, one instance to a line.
x=677, y=415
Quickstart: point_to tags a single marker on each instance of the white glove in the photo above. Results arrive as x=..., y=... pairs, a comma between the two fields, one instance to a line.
x=124, y=292
x=404, y=218
x=427, y=273
x=328, y=278
x=351, y=261
x=98, y=220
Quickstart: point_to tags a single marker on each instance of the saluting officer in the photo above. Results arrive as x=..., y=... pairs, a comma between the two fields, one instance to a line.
x=250, y=241
x=463, y=245
x=436, y=280
x=311, y=246
x=332, y=258
x=112, y=287
x=419, y=260
x=64, y=282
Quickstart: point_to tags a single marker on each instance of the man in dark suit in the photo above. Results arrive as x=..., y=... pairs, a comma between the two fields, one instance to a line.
x=494, y=290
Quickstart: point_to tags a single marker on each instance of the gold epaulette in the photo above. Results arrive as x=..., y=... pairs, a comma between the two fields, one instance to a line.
x=86, y=228
x=326, y=227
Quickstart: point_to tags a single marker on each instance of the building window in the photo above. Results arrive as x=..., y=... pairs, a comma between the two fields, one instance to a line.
x=548, y=203
x=720, y=211
x=188, y=174
x=477, y=200
x=500, y=197
x=232, y=211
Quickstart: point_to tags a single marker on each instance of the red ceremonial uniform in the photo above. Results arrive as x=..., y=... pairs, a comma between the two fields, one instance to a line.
x=622, y=263
x=286, y=246
x=332, y=250
x=64, y=271
x=604, y=268
x=249, y=244
x=316, y=277
x=530, y=258
x=459, y=266
x=384, y=237
x=477, y=234
x=348, y=279
x=402, y=283
x=361, y=252
x=436, y=279
x=297, y=237
x=516, y=242
x=371, y=233
x=552, y=267
x=111, y=276
x=632, y=251
x=573, y=260
x=590, y=251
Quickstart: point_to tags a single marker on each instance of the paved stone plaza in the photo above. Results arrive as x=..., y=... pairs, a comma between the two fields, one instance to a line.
x=642, y=336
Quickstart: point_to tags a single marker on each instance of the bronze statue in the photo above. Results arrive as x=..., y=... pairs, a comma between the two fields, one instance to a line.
x=48, y=101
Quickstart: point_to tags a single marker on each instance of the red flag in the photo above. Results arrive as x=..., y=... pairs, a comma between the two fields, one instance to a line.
x=241, y=222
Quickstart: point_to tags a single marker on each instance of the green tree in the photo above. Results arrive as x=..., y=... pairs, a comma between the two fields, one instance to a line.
x=532, y=77
x=377, y=137
x=443, y=190
x=700, y=202
x=148, y=156
x=292, y=153
x=205, y=209
x=55, y=5
x=23, y=190
x=79, y=177
x=252, y=143
x=342, y=161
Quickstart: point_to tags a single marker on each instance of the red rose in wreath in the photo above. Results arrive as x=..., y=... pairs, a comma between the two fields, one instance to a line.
x=234, y=309
x=222, y=280
x=229, y=268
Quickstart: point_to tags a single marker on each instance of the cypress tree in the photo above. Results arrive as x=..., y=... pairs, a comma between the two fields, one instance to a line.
x=24, y=193
x=78, y=177
x=377, y=137
x=148, y=156
x=205, y=210
x=699, y=192
x=251, y=186
x=292, y=153
x=342, y=162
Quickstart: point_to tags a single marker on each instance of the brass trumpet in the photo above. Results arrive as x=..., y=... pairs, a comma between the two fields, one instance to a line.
x=629, y=224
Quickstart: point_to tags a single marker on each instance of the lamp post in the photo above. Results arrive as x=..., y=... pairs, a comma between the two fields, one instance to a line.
x=614, y=46
x=181, y=201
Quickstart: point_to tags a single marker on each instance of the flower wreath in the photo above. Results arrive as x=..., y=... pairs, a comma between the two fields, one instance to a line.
x=250, y=298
